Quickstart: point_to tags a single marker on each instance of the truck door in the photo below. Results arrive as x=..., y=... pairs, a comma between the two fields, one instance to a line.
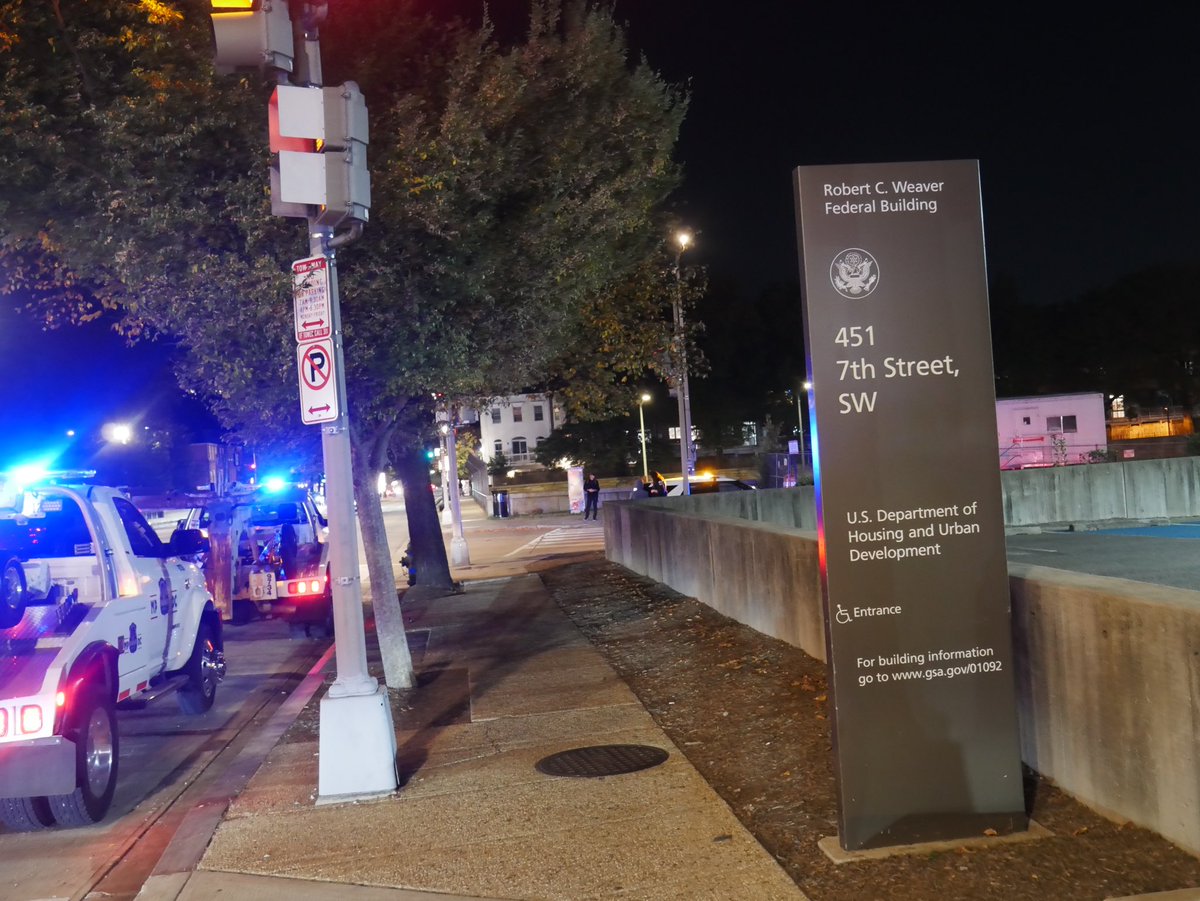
x=150, y=616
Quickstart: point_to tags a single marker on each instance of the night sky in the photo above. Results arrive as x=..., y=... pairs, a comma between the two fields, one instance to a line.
x=1082, y=124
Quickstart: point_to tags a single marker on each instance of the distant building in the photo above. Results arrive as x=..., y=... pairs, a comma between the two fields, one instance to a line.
x=516, y=425
x=1051, y=430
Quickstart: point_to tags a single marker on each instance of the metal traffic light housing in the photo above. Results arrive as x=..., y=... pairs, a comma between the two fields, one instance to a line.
x=321, y=137
x=251, y=34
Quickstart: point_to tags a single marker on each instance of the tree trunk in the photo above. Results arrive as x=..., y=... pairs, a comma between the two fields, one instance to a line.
x=424, y=528
x=389, y=622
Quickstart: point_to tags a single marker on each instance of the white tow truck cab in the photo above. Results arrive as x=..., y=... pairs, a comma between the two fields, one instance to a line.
x=94, y=610
x=277, y=552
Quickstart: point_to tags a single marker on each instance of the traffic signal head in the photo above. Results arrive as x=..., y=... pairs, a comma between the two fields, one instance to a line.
x=321, y=137
x=251, y=34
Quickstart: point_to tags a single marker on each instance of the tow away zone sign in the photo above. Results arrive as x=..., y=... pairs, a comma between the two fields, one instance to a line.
x=318, y=387
x=310, y=295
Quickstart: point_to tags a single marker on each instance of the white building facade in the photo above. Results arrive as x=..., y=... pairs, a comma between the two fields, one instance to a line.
x=516, y=425
x=1051, y=430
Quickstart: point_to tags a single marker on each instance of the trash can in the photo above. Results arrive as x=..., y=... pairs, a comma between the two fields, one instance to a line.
x=500, y=504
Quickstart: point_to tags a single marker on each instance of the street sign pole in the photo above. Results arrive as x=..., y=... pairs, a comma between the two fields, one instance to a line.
x=357, y=740
x=459, y=553
x=321, y=137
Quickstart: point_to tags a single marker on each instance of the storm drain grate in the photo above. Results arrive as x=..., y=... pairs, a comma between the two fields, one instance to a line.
x=602, y=760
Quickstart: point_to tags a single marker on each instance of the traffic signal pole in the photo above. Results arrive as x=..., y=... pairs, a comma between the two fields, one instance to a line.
x=320, y=135
x=357, y=739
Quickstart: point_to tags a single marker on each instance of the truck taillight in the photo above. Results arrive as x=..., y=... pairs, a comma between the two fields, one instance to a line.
x=306, y=586
x=26, y=719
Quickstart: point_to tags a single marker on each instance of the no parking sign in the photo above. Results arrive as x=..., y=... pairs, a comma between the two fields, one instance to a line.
x=318, y=387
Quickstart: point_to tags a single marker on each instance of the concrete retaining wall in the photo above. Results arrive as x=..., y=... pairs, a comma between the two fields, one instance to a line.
x=1108, y=675
x=760, y=574
x=1143, y=489
x=1108, y=671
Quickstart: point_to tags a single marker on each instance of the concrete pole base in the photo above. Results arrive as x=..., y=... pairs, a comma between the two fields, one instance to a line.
x=447, y=516
x=358, y=748
x=459, y=555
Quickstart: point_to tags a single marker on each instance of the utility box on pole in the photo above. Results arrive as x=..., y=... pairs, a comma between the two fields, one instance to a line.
x=252, y=34
x=332, y=175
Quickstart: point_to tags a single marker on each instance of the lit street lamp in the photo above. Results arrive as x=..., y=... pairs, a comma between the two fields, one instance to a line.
x=686, y=462
x=642, y=401
x=800, y=409
x=117, y=432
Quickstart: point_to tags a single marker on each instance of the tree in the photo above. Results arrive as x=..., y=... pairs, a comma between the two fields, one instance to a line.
x=606, y=447
x=516, y=188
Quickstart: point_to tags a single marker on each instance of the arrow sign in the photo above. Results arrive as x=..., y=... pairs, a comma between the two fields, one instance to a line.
x=310, y=296
x=318, y=387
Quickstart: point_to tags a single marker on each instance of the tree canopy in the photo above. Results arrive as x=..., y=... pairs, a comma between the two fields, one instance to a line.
x=517, y=202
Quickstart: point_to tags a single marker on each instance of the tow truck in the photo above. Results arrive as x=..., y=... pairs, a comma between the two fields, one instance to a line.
x=269, y=555
x=95, y=611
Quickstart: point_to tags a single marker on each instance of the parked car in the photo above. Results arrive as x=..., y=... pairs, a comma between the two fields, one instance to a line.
x=701, y=483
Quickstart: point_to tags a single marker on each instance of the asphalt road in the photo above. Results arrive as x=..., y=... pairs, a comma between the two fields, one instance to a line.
x=165, y=758
x=1161, y=555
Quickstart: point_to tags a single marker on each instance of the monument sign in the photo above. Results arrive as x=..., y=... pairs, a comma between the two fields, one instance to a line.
x=903, y=425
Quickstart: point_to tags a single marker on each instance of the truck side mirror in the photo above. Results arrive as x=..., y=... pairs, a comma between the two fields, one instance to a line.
x=187, y=543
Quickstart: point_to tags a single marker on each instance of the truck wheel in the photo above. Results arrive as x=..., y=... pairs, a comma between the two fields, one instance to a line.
x=26, y=814
x=325, y=628
x=12, y=593
x=97, y=747
x=298, y=631
x=204, y=670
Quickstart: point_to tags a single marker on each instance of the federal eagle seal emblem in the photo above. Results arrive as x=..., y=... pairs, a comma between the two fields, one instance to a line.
x=854, y=273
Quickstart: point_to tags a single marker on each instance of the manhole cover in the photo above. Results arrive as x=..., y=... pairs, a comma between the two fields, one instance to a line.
x=602, y=760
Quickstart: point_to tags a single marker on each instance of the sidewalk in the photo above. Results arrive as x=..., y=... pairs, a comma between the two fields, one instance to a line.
x=505, y=680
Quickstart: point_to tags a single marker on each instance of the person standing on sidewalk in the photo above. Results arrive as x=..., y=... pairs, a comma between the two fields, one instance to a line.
x=591, y=496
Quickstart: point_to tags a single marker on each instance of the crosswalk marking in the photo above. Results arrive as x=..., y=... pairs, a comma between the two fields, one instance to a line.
x=571, y=538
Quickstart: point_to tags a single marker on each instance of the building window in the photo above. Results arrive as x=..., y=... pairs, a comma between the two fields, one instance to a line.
x=538, y=416
x=499, y=446
x=517, y=414
x=495, y=415
x=1061, y=424
x=519, y=446
x=750, y=433
x=673, y=432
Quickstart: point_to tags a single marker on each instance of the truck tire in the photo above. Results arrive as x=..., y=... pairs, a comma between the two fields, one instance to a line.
x=203, y=674
x=97, y=747
x=12, y=593
x=26, y=814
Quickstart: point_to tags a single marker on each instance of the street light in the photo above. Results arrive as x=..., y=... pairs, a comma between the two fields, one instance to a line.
x=642, y=401
x=800, y=409
x=460, y=554
x=117, y=432
x=683, y=240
